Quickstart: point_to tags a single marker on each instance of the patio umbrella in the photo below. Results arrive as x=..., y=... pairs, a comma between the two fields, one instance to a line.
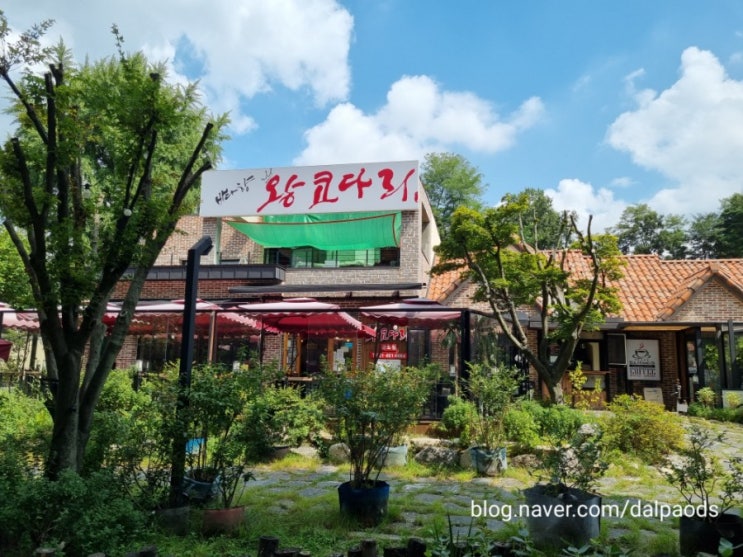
x=5, y=346
x=164, y=317
x=307, y=315
x=412, y=312
x=19, y=320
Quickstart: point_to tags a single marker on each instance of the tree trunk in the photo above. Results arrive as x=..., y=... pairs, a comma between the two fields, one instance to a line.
x=63, y=449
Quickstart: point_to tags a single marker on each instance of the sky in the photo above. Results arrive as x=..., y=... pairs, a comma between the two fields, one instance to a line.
x=600, y=104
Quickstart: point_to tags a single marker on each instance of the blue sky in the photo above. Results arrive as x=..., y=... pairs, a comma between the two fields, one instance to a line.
x=601, y=104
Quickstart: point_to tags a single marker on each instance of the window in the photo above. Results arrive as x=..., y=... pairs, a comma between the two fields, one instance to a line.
x=308, y=257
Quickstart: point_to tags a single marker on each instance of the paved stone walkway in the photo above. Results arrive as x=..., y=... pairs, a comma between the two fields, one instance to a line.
x=420, y=498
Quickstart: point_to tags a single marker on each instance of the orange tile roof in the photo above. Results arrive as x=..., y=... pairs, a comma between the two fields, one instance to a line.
x=652, y=289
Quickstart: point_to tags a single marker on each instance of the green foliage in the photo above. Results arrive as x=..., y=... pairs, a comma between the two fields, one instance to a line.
x=642, y=428
x=14, y=286
x=114, y=417
x=25, y=429
x=104, y=159
x=558, y=421
x=86, y=515
x=707, y=397
x=529, y=423
x=701, y=478
x=642, y=230
x=369, y=409
x=279, y=416
x=490, y=249
x=719, y=414
x=450, y=181
x=521, y=427
x=729, y=230
x=141, y=448
x=492, y=390
x=457, y=419
x=215, y=417
x=579, y=463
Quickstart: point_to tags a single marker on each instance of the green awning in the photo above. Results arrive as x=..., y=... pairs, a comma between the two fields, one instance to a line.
x=328, y=231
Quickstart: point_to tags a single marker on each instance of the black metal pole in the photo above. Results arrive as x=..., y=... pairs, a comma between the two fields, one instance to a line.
x=465, y=350
x=200, y=248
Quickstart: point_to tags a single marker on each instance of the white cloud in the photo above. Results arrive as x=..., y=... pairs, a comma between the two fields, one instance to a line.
x=243, y=48
x=692, y=133
x=419, y=117
x=573, y=195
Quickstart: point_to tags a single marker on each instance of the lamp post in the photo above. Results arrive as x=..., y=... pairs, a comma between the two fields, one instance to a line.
x=200, y=248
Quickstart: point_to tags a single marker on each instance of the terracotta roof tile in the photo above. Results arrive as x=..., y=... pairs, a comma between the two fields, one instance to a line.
x=652, y=289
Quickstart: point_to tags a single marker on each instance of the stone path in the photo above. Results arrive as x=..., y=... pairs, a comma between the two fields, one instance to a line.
x=418, y=499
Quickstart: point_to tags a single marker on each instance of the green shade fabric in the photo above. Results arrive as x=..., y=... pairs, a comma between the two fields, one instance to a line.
x=329, y=231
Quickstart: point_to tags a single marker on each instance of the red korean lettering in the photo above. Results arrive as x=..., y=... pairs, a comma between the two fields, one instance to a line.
x=323, y=180
x=291, y=184
x=351, y=180
x=273, y=194
x=387, y=174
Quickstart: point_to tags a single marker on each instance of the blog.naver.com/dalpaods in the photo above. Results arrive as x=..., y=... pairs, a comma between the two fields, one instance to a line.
x=629, y=509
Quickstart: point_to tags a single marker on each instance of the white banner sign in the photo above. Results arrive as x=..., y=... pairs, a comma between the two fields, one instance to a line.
x=643, y=360
x=341, y=188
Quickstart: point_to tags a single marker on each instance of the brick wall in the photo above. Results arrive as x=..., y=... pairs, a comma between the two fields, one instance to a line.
x=713, y=302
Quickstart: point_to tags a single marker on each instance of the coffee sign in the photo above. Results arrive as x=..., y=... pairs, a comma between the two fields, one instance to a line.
x=643, y=360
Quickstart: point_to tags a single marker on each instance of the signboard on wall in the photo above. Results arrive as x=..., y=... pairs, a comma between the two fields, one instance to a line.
x=643, y=360
x=341, y=188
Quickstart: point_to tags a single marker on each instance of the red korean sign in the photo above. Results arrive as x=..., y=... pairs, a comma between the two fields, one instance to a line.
x=342, y=188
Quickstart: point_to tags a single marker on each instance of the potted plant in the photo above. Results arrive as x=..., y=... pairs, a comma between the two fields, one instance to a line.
x=710, y=487
x=223, y=515
x=492, y=390
x=573, y=469
x=367, y=409
x=217, y=399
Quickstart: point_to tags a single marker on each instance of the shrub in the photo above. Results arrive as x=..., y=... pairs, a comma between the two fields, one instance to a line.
x=720, y=414
x=25, y=431
x=642, y=428
x=279, y=416
x=522, y=427
x=88, y=515
x=559, y=422
x=457, y=419
x=706, y=396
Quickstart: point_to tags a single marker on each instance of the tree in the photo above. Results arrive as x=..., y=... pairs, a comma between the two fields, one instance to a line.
x=701, y=236
x=15, y=289
x=104, y=160
x=540, y=224
x=641, y=230
x=512, y=277
x=450, y=181
x=729, y=231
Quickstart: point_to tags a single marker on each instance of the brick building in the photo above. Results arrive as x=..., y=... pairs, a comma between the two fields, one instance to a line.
x=689, y=313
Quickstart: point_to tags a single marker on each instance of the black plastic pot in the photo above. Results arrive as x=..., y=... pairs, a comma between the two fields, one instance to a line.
x=554, y=521
x=698, y=535
x=367, y=504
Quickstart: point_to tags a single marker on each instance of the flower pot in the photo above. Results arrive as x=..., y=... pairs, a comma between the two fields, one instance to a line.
x=174, y=520
x=553, y=521
x=222, y=521
x=200, y=491
x=367, y=504
x=698, y=535
x=393, y=456
x=279, y=451
x=488, y=462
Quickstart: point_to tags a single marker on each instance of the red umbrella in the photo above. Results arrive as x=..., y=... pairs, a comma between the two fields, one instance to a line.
x=163, y=317
x=5, y=346
x=412, y=312
x=307, y=315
